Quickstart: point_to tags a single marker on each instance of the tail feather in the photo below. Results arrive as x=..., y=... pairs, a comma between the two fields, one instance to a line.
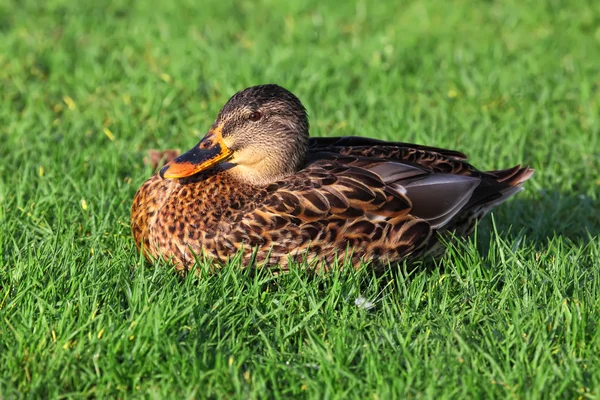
x=498, y=186
x=514, y=176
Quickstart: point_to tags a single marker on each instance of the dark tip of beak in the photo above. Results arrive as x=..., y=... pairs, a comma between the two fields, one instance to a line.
x=197, y=159
x=162, y=171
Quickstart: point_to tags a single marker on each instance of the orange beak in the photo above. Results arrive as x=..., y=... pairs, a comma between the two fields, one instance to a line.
x=210, y=151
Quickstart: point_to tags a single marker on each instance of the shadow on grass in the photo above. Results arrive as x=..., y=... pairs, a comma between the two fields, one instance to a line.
x=575, y=217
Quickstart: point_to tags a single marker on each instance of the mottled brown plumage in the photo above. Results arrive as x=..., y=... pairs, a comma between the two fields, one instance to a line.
x=256, y=184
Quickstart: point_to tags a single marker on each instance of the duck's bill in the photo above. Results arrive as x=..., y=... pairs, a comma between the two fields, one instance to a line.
x=209, y=152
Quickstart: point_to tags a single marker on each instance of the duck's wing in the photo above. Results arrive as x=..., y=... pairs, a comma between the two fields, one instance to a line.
x=432, y=196
x=381, y=209
x=495, y=186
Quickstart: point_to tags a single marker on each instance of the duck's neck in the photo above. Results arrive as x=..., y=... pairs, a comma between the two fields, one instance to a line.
x=261, y=173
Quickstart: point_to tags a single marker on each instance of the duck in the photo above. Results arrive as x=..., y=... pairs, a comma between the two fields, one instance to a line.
x=258, y=187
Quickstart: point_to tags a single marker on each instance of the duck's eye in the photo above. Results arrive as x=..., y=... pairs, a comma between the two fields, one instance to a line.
x=255, y=116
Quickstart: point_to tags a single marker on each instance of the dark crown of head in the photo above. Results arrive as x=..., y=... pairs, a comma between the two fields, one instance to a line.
x=257, y=96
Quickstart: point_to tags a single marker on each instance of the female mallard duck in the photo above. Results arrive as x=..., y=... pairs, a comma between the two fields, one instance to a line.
x=257, y=184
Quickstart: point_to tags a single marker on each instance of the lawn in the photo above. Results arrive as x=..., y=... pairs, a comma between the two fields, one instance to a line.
x=87, y=87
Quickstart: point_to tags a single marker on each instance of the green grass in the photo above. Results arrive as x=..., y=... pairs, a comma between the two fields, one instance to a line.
x=87, y=87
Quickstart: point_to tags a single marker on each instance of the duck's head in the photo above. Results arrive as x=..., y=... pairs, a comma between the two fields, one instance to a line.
x=259, y=136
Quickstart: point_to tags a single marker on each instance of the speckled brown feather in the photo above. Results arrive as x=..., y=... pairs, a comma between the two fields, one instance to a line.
x=354, y=198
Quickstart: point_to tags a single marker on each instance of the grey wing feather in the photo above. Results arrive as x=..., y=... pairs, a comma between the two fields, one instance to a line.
x=438, y=198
